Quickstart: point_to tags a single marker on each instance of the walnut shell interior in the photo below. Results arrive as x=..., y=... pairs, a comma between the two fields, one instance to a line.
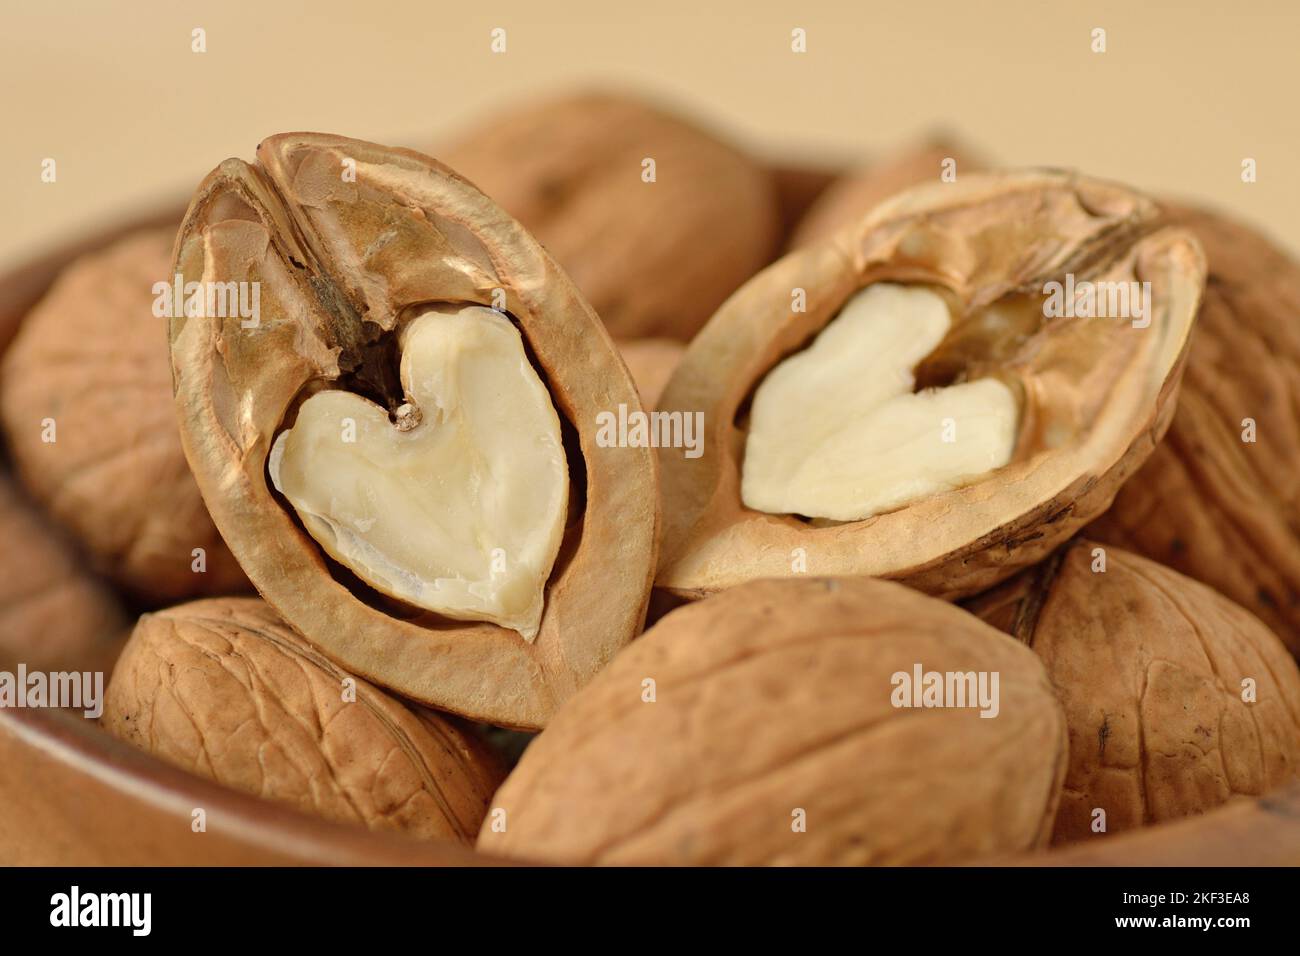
x=1096, y=393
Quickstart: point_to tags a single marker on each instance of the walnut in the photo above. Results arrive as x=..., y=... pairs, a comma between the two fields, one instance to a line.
x=224, y=689
x=654, y=258
x=1177, y=699
x=927, y=395
x=769, y=725
x=403, y=447
x=85, y=401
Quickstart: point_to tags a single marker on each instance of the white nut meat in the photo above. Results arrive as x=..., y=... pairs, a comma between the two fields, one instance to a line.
x=837, y=431
x=458, y=507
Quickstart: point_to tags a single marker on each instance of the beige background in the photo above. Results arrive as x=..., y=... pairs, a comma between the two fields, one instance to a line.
x=1184, y=93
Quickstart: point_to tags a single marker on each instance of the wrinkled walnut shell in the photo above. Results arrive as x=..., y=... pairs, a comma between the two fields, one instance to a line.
x=1207, y=503
x=54, y=616
x=654, y=259
x=93, y=357
x=1149, y=665
x=341, y=263
x=223, y=689
x=980, y=238
x=775, y=697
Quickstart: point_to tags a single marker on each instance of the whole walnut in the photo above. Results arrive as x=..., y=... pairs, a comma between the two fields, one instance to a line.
x=770, y=724
x=1177, y=699
x=655, y=258
x=86, y=405
x=1219, y=498
x=223, y=688
x=54, y=615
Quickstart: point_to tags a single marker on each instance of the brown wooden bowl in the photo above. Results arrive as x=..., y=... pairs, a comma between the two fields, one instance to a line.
x=71, y=795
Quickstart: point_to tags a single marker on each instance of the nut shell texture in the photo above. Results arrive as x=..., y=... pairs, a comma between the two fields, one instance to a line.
x=775, y=698
x=93, y=357
x=1149, y=666
x=224, y=689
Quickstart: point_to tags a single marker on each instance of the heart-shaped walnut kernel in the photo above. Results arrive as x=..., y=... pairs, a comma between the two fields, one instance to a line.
x=405, y=505
x=347, y=248
x=838, y=431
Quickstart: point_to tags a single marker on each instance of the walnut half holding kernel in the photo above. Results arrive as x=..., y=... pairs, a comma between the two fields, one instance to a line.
x=400, y=446
x=804, y=721
x=224, y=689
x=938, y=394
x=1177, y=699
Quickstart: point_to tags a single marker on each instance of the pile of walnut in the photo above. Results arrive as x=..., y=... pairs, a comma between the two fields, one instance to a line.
x=796, y=706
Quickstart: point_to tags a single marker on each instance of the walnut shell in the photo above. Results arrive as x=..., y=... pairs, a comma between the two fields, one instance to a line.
x=651, y=363
x=851, y=197
x=54, y=615
x=92, y=356
x=1096, y=392
x=1215, y=507
x=1149, y=666
x=224, y=689
x=653, y=258
x=775, y=698
x=342, y=262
